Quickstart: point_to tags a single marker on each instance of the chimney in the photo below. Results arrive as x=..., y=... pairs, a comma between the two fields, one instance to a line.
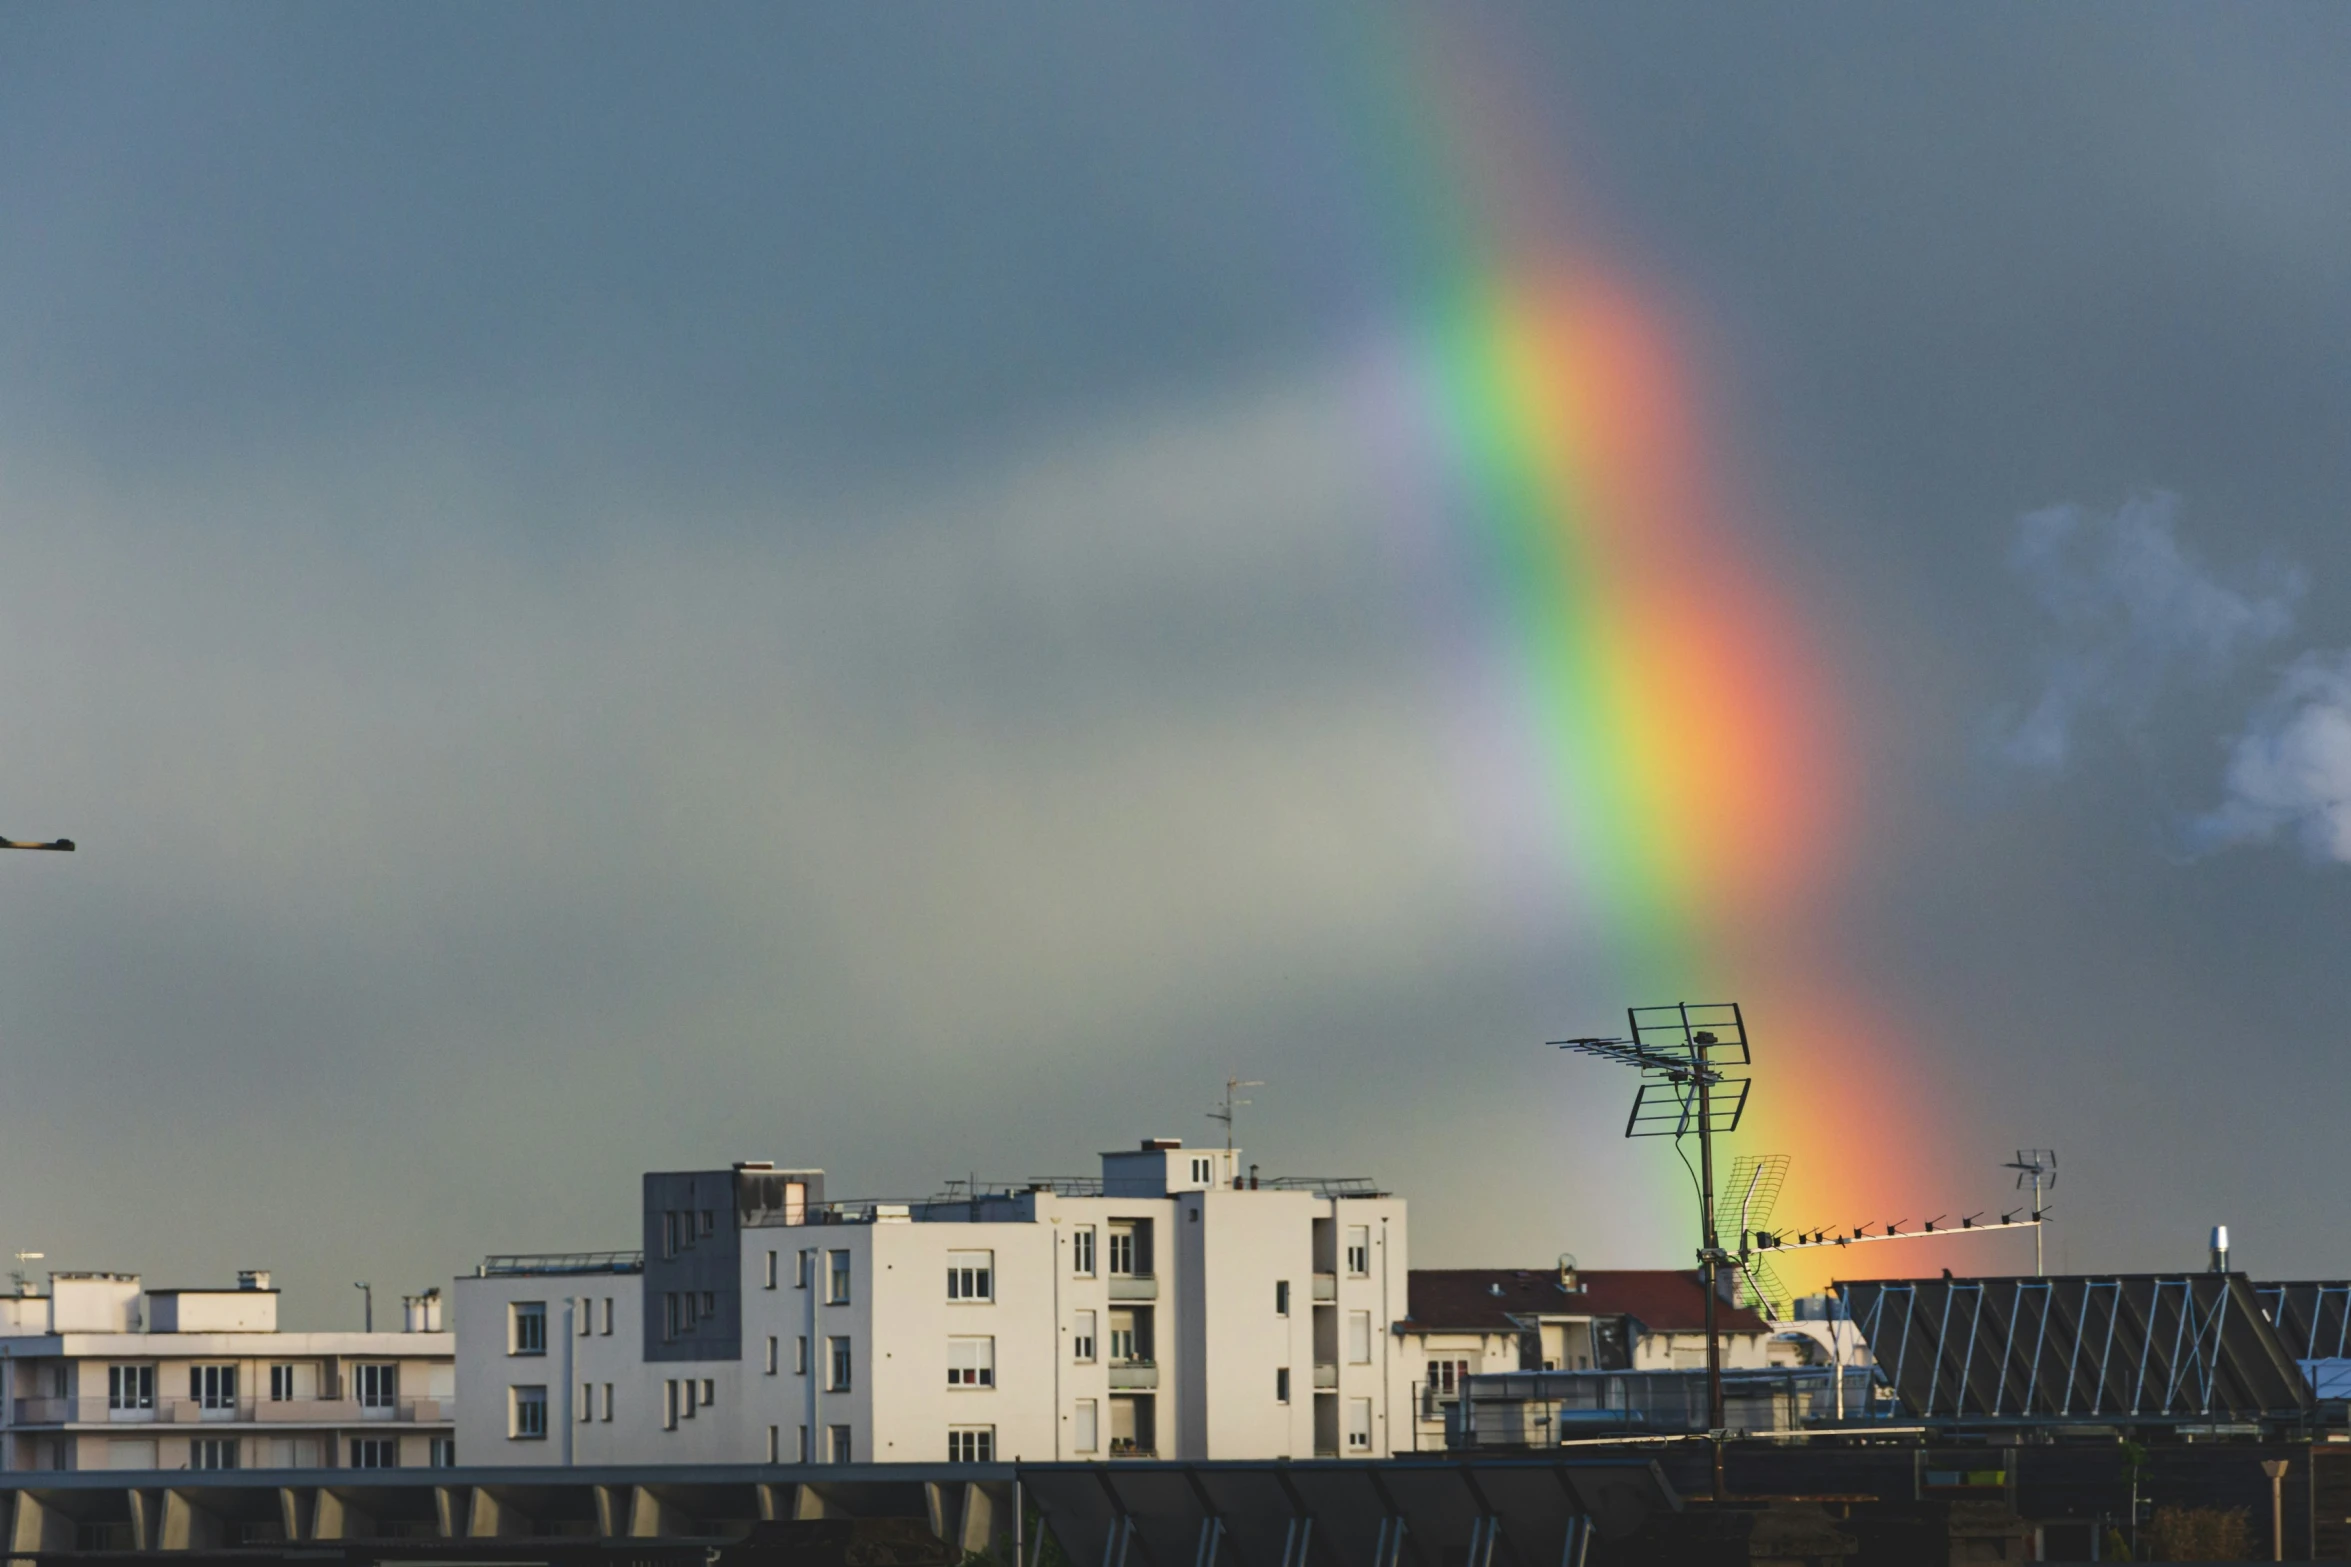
x=1570, y=1281
x=1253, y=1177
x=2220, y=1248
x=253, y=1278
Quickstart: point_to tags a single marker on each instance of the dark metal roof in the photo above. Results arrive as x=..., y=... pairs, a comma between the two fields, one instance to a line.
x=2191, y=1348
x=1487, y=1300
x=2312, y=1318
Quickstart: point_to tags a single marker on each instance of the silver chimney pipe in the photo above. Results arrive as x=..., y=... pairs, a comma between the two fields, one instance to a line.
x=2220, y=1248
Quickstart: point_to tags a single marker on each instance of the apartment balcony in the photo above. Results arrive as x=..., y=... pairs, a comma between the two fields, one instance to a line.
x=240, y=1411
x=1134, y=1286
x=1326, y=1288
x=1434, y=1401
x=1326, y=1378
x=1134, y=1375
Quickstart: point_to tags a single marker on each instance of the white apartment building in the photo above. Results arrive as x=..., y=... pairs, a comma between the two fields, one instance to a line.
x=103, y=1372
x=1174, y=1307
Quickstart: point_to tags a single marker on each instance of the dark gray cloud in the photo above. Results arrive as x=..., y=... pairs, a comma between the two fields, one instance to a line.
x=609, y=589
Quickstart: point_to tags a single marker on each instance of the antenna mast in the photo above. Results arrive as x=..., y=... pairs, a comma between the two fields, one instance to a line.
x=1232, y=1102
x=2039, y=1166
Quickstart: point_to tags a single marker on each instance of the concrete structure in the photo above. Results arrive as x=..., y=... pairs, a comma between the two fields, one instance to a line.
x=103, y=1372
x=1173, y=1307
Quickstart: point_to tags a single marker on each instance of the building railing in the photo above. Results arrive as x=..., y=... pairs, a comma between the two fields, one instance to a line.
x=1326, y=1377
x=260, y=1411
x=512, y=1264
x=1137, y=1373
x=1326, y=1288
x=1435, y=1400
x=1134, y=1286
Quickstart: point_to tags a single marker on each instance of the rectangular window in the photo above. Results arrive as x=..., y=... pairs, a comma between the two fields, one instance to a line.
x=971, y=1362
x=803, y=1454
x=375, y=1452
x=709, y=1303
x=709, y=1221
x=1281, y=1384
x=669, y=1315
x=1445, y=1376
x=971, y=1275
x=606, y=1314
x=709, y=1392
x=800, y=1360
x=693, y=1397
x=527, y=1328
x=669, y=1405
x=443, y=1452
x=771, y=1270
x=608, y=1402
x=527, y=1418
x=971, y=1444
x=130, y=1387
x=837, y=1443
x=587, y=1315
x=1085, y=1429
x=1081, y=1337
x=1200, y=1170
x=213, y=1387
x=807, y=1267
x=837, y=1367
x=775, y=1441
x=669, y=1234
x=379, y=1385
x=1123, y=1348
x=772, y=1354
x=837, y=1280
x=213, y=1453
x=1359, y=1249
x=1081, y=1251
x=281, y=1384
x=1359, y=1337
x=1281, y=1297
x=587, y=1406
x=1359, y=1425
x=1122, y=1250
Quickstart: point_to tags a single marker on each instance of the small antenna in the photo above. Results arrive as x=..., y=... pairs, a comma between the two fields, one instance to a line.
x=24, y=1285
x=1232, y=1102
x=2039, y=1166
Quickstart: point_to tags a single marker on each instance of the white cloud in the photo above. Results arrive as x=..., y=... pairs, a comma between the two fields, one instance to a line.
x=2290, y=771
x=2133, y=609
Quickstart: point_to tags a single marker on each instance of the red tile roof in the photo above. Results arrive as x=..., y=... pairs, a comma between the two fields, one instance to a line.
x=1665, y=1300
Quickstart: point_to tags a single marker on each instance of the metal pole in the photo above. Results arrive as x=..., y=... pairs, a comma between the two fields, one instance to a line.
x=2038, y=1270
x=2275, y=1468
x=1714, y=1417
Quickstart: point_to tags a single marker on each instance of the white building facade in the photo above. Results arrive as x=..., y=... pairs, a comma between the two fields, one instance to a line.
x=104, y=1373
x=1171, y=1308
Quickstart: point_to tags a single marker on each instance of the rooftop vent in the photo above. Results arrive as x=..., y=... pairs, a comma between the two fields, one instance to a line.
x=1494, y=1288
x=755, y=1164
x=253, y=1278
x=1156, y=1144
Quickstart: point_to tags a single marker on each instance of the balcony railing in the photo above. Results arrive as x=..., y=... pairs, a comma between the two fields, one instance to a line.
x=263, y=1411
x=1134, y=1286
x=1326, y=1378
x=1134, y=1374
x=1326, y=1288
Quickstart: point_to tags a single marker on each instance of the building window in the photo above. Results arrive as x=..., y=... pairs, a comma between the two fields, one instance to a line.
x=775, y=1438
x=971, y=1444
x=1081, y=1251
x=837, y=1280
x=1085, y=1430
x=442, y=1454
x=527, y=1413
x=281, y=1384
x=608, y=1403
x=971, y=1275
x=836, y=1367
x=1122, y=1250
x=802, y=1453
x=1122, y=1338
x=213, y=1387
x=587, y=1410
x=709, y=1303
x=800, y=1360
x=607, y=1316
x=379, y=1385
x=1281, y=1297
x=807, y=1266
x=669, y=1405
x=837, y=1443
x=587, y=1314
x=771, y=1270
x=1359, y=1337
x=527, y=1332
x=1445, y=1376
x=213, y=1453
x=1081, y=1337
x=130, y=1387
x=709, y=1392
x=1200, y=1170
x=375, y=1452
x=1359, y=1425
x=1281, y=1384
x=693, y=1397
x=773, y=1354
x=669, y=1233
x=1359, y=1250
x=971, y=1362
x=709, y=1221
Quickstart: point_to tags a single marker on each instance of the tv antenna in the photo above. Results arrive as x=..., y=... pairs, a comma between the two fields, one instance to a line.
x=17, y=1277
x=1751, y=1191
x=1231, y=1103
x=2039, y=1166
x=1680, y=1052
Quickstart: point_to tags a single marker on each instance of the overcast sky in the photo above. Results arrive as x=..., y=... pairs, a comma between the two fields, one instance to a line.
x=612, y=588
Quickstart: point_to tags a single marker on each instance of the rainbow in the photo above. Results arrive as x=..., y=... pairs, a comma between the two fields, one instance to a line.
x=1667, y=698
